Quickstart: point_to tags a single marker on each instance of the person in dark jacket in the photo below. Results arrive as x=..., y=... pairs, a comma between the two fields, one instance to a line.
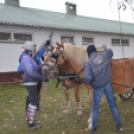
x=97, y=73
x=36, y=55
x=30, y=79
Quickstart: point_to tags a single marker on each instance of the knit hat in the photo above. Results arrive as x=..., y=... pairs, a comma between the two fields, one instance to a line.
x=28, y=45
x=90, y=49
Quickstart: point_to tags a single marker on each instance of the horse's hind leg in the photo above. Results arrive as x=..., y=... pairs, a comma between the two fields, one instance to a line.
x=77, y=99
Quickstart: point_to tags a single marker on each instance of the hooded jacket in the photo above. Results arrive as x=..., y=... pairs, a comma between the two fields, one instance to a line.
x=97, y=70
x=30, y=69
x=37, y=58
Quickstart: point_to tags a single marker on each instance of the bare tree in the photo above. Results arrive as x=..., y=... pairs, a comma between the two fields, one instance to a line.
x=124, y=4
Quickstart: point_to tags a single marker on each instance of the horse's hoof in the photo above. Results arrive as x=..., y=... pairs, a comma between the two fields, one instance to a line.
x=79, y=112
x=67, y=111
x=90, y=126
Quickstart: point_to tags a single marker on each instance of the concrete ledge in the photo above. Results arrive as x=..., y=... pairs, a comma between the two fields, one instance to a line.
x=10, y=77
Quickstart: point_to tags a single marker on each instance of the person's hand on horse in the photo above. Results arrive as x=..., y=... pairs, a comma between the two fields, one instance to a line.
x=45, y=67
x=48, y=42
x=79, y=80
x=104, y=47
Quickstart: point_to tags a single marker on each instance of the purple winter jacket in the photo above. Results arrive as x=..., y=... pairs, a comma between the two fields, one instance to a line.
x=30, y=68
x=97, y=70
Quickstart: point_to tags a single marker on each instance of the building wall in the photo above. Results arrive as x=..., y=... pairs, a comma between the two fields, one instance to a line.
x=9, y=52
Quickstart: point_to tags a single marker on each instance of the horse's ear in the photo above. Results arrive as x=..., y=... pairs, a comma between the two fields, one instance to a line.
x=52, y=47
x=59, y=45
x=62, y=41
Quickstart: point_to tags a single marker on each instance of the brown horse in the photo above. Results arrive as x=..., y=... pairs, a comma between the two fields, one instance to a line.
x=75, y=58
x=65, y=67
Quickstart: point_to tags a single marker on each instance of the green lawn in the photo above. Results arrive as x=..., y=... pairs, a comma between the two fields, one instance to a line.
x=53, y=121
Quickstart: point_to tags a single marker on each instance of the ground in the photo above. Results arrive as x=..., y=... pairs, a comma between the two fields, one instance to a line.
x=53, y=121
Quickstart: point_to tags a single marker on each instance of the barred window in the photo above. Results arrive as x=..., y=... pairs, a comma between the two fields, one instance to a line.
x=124, y=42
x=68, y=39
x=87, y=41
x=18, y=37
x=5, y=36
x=116, y=41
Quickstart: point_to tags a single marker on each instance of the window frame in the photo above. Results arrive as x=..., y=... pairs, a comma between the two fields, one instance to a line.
x=87, y=43
x=121, y=42
x=4, y=41
x=12, y=41
x=21, y=42
x=63, y=37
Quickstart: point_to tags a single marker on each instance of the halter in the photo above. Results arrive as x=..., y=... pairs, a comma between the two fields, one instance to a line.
x=56, y=57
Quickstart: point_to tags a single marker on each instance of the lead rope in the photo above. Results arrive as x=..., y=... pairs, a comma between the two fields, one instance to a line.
x=45, y=84
x=47, y=87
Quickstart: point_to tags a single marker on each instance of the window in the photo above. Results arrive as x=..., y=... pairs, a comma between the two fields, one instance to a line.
x=87, y=41
x=14, y=37
x=124, y=42
x=5, y=36
x=18, y=37
x=116, y=41
x=68, y=39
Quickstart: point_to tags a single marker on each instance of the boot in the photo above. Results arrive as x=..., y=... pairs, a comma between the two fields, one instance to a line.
x=119, y=128
x=30, y=116
x=92, y=131
x=33, y=125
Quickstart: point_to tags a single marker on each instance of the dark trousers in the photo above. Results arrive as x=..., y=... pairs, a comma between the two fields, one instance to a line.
x=38, y=88
x=32, y=97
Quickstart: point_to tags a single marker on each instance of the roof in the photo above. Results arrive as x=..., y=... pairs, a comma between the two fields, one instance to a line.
x=15, y=15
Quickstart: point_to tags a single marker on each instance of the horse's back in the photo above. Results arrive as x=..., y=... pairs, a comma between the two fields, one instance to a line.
x=122, y=72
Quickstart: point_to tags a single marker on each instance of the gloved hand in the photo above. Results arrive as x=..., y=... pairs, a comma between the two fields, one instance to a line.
x=46, y=80
x=79, y=80
x=48, y=42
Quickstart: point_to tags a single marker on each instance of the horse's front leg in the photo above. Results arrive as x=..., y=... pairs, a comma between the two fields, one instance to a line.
x=77, y=99
x=66, y=106
x=90, y=91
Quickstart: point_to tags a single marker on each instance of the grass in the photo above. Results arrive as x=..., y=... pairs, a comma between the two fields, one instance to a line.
x=53, y=121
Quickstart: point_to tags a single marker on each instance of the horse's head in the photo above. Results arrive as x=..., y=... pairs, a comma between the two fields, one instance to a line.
x=58, y=55
x=51, y=68
x=60, y=59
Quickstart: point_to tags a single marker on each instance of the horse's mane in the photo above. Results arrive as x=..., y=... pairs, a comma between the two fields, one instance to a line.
x=76, y=53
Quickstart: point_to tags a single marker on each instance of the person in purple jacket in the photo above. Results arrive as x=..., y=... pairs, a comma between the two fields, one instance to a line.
x=97, y=73
x=30, y=79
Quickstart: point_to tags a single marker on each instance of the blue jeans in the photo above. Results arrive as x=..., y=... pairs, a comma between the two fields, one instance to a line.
x=97, y=94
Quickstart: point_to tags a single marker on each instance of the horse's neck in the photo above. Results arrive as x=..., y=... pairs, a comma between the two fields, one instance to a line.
x=76, y=68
